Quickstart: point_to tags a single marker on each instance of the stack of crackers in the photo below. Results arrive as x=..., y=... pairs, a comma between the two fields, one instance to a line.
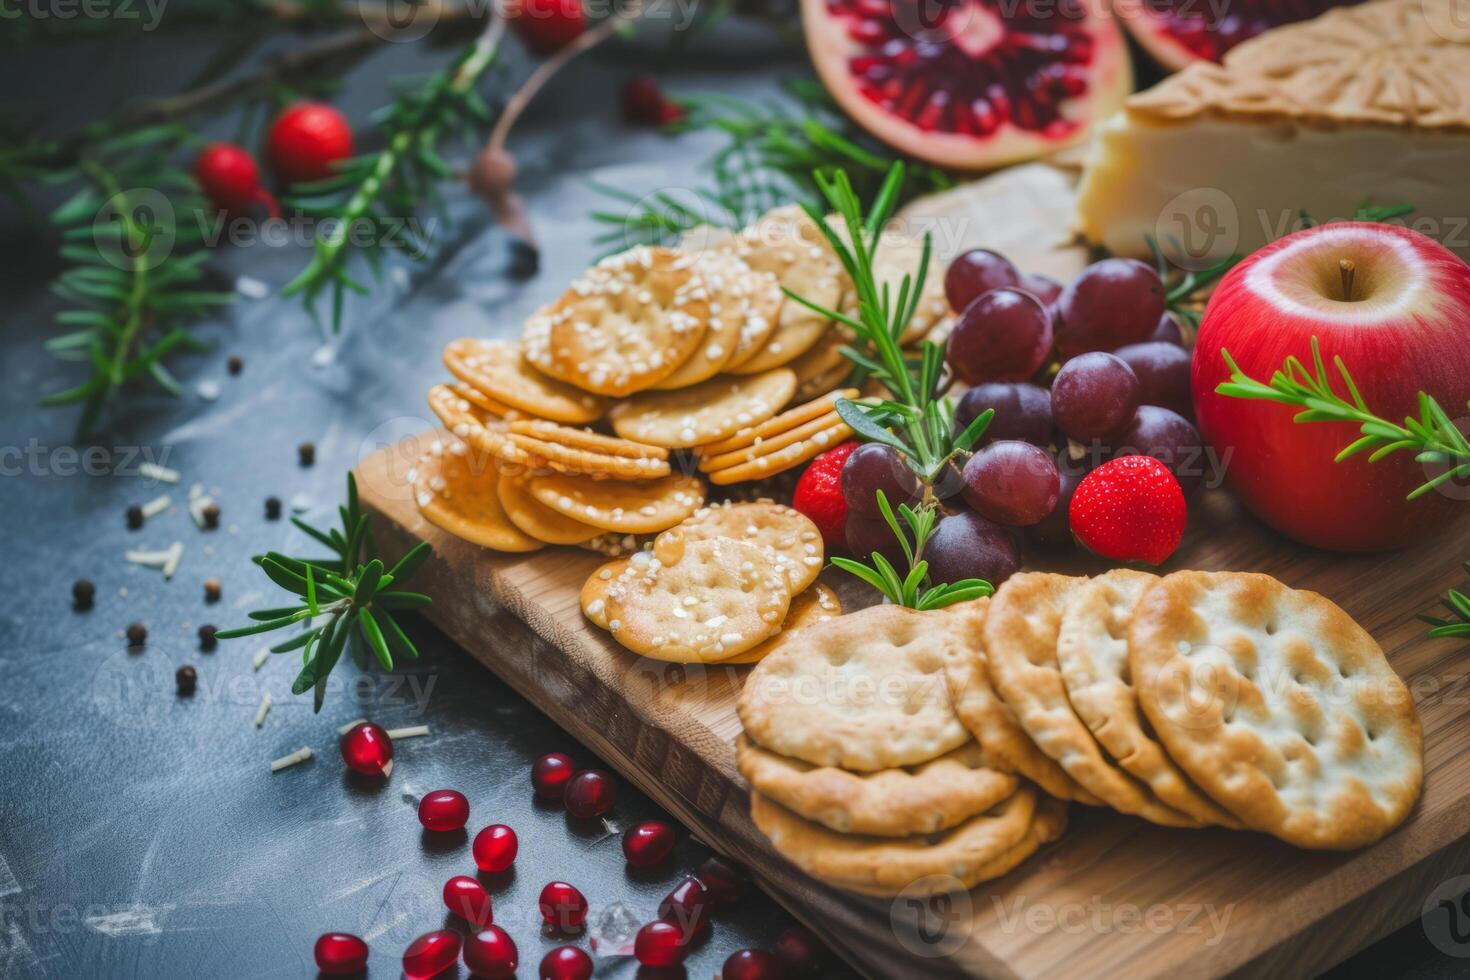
x=896, y=751
x=716, y=588
x=655, y=364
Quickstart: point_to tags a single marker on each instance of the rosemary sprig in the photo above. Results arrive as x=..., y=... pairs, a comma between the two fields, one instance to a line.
x=353, y=591
x=1458, y=605
x=909, y=590
x=1184, y=288
x=1432, y=437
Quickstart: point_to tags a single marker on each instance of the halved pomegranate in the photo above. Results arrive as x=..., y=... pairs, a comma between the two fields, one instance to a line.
x=970, y=84
x=1177, y=32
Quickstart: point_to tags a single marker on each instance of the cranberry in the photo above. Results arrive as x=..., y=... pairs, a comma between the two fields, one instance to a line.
x=751, y=964
x=550, y=774
x=687, y=906
x=648, y=843
x=430, y=954
x=495, y=848
x=546, y=26
x=467, y=898
x=367, y=749
x=306, y=140
x=800, y=951
x=491, y=953
x=590, y=793
x=566, y=963
x=230, y=179
x=563, y=907
x=642, y=100
x=660, y=944
x=339, y=953
x=444, y=809
x=725, y=882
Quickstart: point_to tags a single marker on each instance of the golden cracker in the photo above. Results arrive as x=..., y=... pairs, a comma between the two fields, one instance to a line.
x=619, y=505
x=500, y=370
x=707, y=412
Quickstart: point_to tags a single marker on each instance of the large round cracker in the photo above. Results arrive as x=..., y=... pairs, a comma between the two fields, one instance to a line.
x=743, y=306
x=815, y=605
x=794, y=541
x=645, y=507
x=1278, y=705
x=452, y=494
x=706, y=412
x=500, y=370
x=1021, y=644
x=1092, y=650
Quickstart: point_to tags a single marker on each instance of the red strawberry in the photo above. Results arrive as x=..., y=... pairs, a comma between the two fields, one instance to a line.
x=1129, y=509
x=819, y=494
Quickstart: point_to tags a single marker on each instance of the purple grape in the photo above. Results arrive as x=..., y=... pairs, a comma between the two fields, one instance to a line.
x=1163, y=374
x=1054, y=530
x=1169, y=438
x=1112, y=303
x=1005, y=335
x=873, y=467
x=1168, y=331
x=1022, y=411
x=865, y=536
x=1094, y=395
x=966, y=545
x=1045, y=288
x=1012, y=482
x=975, y=273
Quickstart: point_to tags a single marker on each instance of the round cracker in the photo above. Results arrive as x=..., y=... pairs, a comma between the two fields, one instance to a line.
x=721, y=598
x=1278, y=705
x=483, y=433
x=593, y=442
x=1021, y=643
x=482, y=401
x=536, y=519
x=707, y=412
x=983, y=847
x=925, y=799
x=593, y=598
x=779, y=460
x=500, y=369
x=815, y=605
x=785, y=422
x=863, y=692
x=566, y=459
x=743, y=305
x=1092, y=651
x=794, y=541
x=645, y=507
x=735, y=457
x=451, y=494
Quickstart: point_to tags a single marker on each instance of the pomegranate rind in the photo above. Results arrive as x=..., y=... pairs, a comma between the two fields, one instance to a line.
x=1152, y=33
x=1110, y=79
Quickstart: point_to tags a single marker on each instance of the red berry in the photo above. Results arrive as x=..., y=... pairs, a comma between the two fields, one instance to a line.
x=800, y=952
x=340, y=953
x=1129, y=509
x=430, y=954
x=444, y=809
x=546, y=26
x=723, y=881
x=367, y=749
x=566, y=963
x=550, y=774
x=491, y=953
x=751, y=964
x=642, y=100
x=819, y=496
x=230, y=179
x=660, y=944
x=648, y=843
x=562, y=906
x=670, y=112
x=467, y=898
x=590, y=793
x=495, y=848
x=687, y=906
x=306, y=140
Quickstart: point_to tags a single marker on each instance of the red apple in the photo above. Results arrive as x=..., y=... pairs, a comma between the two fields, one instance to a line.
x=1404, y=327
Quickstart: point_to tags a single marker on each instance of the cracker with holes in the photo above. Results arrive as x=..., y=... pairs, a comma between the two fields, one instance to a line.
x=743, y=306
x=922, y=799
x=817, y=604
x=862, y=692
x=628, y=323
x=454, y=495
x=793, y=540
x=1278, y=705
x=1092, y=650
x=644, y=507
x=979, y=849
x=706, y=412
x=1021, y=644
x=500, y=370
x=720, y=599
x=769, y=462
x=536, y=519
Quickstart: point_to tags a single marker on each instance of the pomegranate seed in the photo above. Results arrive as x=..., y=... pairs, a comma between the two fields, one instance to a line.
x=800, y=951
x=339, y=953
x=724, y=881
x=566, y=963
x=590, y=793
x=467, y=898
x=687, y=906
x=491, y=953
x=367, y=749
x=430, y=954
x=563, y=907
x=444, y=809
x=751, y=964
x=648, y=843
x=660, y=944
x=550, y=774
x=495, y=848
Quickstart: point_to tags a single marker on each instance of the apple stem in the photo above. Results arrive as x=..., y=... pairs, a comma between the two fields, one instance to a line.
x=1347, y=267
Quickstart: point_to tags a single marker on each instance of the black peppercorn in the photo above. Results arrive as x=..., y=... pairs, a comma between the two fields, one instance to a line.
x=137, y=635
x=135, y=517
x=212, y=589
x=206, y=638
x=273, y=508
x=306, y=452
x=235, y=364
x=186, y=677
x=82, y=593
x=210, y=513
